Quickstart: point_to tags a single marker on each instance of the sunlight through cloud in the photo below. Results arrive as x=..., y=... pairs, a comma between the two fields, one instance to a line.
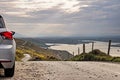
x=68, y=6
x=62, y=17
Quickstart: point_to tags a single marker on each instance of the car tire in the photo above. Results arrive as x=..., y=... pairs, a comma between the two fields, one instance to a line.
x=10, y=71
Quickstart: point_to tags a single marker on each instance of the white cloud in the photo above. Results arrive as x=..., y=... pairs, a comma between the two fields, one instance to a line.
x=36, y=5
x=31, y=29
x=22, y=8
x=62, y=17
x=26, y=6
x=20, y=14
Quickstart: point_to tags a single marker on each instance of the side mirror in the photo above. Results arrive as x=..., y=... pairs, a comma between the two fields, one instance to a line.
x=13, y=32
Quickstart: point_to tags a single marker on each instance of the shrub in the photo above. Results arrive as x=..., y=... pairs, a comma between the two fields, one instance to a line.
x=116, y=59
x=95, y=55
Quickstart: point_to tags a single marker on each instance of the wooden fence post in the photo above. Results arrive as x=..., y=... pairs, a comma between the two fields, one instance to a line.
x=78, y=50
x=73, y=53
x=109, y=45
x=83, y=48
x=68, y=55
x=92, y=46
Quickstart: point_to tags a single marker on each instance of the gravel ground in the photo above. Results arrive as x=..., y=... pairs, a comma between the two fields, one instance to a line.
x=61, y=70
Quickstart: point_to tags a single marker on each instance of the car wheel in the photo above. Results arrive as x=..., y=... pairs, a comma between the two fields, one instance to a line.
x=10, y=71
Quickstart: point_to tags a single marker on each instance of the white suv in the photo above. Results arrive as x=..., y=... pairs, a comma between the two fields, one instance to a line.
x=7, y=49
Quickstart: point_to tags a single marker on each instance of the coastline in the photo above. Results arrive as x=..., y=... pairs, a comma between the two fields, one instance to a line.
x=103, y=46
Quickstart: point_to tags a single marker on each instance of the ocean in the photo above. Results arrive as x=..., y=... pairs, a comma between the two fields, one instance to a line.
x=71, y=44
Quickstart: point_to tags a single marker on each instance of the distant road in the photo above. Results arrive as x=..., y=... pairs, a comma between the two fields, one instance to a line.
x=26, y=58
x=24, y=43
x=61, y=70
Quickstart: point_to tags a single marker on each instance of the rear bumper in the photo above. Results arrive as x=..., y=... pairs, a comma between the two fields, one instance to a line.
x=5, y=60
x=7, y=55
x=6, y=52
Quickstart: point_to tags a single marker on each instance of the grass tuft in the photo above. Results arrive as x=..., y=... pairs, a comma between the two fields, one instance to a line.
x=95, y=55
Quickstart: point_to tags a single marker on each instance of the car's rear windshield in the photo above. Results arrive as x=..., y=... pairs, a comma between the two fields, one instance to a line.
x=1, y=23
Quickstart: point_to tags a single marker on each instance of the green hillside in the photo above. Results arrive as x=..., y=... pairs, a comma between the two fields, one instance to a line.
x=37, y=53
x=95, y=55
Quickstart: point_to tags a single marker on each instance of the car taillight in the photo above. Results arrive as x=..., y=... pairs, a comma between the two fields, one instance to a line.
x=7, y=35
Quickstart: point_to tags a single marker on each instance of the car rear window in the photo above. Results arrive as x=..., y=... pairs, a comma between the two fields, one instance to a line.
x=1, y=23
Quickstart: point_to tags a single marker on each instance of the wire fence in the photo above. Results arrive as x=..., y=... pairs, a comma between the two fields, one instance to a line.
x=105, y=47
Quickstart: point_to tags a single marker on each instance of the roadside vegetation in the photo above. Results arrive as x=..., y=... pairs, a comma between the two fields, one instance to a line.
x=95, y=55
x=37, y=53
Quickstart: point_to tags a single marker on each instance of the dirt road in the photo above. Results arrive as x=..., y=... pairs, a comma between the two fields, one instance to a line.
x=46, y=70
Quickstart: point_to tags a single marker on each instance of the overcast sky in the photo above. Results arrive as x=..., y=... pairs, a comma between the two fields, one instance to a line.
x=42, y=18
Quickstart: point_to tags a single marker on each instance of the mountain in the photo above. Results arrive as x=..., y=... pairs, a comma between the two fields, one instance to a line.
x=71, y=40
x=37, y=52
x=17, y=35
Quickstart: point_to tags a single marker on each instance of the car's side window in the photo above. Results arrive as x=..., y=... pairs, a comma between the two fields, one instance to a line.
x=1, y=23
